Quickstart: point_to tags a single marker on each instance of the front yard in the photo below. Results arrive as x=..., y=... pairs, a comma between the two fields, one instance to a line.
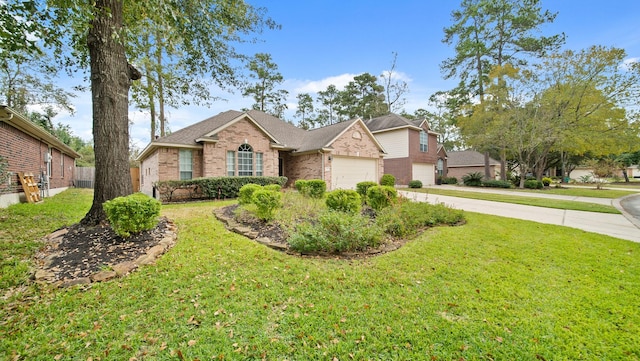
x=494, y=288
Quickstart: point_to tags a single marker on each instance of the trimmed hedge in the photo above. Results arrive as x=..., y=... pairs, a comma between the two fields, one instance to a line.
x=344, y=200
x=388, y=180
x=493, y=183
x=132, y=214
x=533, y=184
x=363, y=187
x=379, y=197
x=212, y=188
x=415, y=184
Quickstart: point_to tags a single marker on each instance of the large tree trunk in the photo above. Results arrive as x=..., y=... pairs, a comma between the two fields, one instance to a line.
x=110, y=82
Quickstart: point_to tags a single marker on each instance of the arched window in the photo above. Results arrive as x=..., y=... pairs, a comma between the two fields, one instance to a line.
x=245, y=160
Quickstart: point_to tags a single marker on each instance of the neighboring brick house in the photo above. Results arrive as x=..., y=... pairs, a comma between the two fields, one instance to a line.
x=30, y=149
x=413, y=152
x=461, y=163
x=253, y=143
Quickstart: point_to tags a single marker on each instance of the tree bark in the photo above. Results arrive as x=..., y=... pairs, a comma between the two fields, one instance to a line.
x=111, y=77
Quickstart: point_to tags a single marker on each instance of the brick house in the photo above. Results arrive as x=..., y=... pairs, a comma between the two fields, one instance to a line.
x=413, y=152
x=254, y=143
x=461, y=163
x=28, y=148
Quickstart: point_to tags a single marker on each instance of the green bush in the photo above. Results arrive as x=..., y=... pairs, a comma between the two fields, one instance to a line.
x=301, y=186
x=210, y=188
x=472, y=179
x=493, y=183
x=267, y=202
x=363, y=187
x=379, y=197
x=405, y=219
x=316, y=188
x=344, y=200
x=546, y=181
x=336, y=232
x=533, y=184
x=450, y=180
x=132, y=214
x=245, y=194
x=388, y=180
x=415, y=184
x=273, y=187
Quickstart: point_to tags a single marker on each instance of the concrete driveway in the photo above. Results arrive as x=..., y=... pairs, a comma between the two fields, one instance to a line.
x=615, y=225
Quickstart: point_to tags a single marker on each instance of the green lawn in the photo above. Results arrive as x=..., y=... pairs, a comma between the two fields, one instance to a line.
x=495, y=288
x=535, y=201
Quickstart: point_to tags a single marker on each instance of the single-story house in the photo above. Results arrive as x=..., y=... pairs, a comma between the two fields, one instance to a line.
x=582, y=172
x=460, y=163
x=253, y=143
x=28, y=148
x=413, y=152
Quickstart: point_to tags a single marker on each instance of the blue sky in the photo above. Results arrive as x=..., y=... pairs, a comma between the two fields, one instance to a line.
x=326, y=42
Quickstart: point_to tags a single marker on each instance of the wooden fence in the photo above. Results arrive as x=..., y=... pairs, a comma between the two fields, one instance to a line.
x=85, y=177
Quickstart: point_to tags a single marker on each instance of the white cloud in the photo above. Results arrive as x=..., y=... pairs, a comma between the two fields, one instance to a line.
x=314, y=86
x=397, y=76
x=627, y=63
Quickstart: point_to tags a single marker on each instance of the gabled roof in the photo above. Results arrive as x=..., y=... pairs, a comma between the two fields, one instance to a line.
x=390, y=122
x=322, y=138
x=20, y=122
x=467, y=158
x=393, y=121
x=281, y=133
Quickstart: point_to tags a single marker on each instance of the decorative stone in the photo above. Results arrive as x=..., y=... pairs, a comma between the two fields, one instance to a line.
x=76, y=281
x=58, y=233
x=123, y=268
x=144, y=260
x=43, y=275
x=155, y=251
x=103, y=276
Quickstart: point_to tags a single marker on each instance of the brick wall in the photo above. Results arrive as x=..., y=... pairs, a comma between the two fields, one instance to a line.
x=25, y=153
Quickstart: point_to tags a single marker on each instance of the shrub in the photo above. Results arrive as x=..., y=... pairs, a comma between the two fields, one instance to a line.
x=388, y=180
x=211, y=188
x=273, y=187
x=415, y=184
x=450, y=180
x=336, y=232
x=492, y=183
x=267, y=202
x=363, y=187
x=533, y=184
x=132, y=214
x=546, y=181
x=301, y=186
x=344, y=200
x=472, y=179
x=379, y=197
x=245, y=194
x=405, y=219
x=316, y=188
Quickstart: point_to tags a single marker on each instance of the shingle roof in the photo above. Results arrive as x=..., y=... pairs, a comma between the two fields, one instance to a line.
x=281, y=132
x=323, y=137
x=467, y=158
x=390, y=121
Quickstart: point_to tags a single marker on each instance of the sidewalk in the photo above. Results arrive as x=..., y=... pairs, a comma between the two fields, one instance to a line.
x=615, y=225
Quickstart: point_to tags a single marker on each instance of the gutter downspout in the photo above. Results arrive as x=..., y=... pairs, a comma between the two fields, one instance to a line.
x=322, y=164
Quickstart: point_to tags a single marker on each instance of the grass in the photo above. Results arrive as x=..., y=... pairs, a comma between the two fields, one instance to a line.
x=495, y=288
x=530, y=200
x=23, y=225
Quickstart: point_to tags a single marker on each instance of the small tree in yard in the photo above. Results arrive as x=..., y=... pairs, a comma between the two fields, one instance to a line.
x=602, y=169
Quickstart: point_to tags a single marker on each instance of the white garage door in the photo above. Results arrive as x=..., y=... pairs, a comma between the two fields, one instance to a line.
x=347, y=172
x=424, y=173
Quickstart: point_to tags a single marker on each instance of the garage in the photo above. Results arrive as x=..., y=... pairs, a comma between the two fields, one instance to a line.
x=346, y=172
x=424, y=172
